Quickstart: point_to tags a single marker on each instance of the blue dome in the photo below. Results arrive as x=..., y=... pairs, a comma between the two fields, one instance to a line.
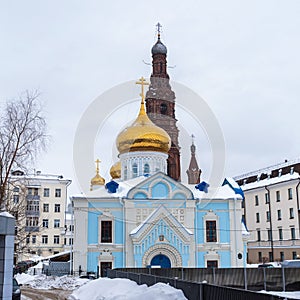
x=159, y=48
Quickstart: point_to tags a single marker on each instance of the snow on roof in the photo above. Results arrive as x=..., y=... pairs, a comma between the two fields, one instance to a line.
x=269, y=181
x=6, y=214
x=269, y=169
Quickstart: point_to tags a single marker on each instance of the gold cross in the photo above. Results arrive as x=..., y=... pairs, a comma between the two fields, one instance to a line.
x=98, y=161
x=142, y=81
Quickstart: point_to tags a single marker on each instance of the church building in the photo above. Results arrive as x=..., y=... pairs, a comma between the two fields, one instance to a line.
x=144, y=216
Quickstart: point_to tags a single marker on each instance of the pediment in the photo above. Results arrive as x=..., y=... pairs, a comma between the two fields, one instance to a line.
x=161, y=221
x=160, y=186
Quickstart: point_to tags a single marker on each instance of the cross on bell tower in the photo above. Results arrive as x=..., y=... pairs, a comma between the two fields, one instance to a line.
x=160, y=103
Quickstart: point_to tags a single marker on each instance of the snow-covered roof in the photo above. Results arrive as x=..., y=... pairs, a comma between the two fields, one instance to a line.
x=269, y=181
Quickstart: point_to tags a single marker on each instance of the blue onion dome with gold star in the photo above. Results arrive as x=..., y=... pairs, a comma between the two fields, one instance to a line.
x=115, y=170
x=159, y=47
x=143, y=134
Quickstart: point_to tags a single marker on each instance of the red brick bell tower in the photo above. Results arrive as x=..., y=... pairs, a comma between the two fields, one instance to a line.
x=160, y=104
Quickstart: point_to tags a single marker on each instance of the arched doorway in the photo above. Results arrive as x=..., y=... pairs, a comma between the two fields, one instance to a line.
x=161, y=260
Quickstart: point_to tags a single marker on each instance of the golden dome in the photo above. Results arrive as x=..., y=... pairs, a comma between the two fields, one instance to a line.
x=143, y=134
x=97, y=180
x=115, y=170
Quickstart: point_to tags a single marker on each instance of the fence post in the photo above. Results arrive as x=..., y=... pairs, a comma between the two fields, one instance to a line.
x=214, y=275
x=182, y=273
x=265, y=283
x=139, y=278
x=200, y=291
x=283, y=279
x=245, y=279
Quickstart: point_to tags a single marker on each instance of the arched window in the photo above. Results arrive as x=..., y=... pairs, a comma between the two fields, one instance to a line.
x=146, y=169
x=125, y=173
x=134, y=170
x=163, y=108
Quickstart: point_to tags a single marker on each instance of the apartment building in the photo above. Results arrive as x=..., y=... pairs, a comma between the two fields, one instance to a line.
x=271, y=211
x=39, y=205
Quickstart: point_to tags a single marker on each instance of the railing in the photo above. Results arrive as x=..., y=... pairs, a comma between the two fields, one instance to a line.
x=192, y=290
x=33, y=197
x=32, y=213
x=257, y=244
x=32, y=228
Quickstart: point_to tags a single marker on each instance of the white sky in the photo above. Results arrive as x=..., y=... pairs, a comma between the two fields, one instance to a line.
x=242, y=57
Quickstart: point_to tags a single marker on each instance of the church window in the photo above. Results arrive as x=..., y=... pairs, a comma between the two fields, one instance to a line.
x=211, y=231
x=125, y=173
x=106, y=231
x=146, y=169
x=134, y=170
x=163, y=108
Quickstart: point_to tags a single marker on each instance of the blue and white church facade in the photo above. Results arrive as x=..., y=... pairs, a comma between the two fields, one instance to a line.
x=144, y=218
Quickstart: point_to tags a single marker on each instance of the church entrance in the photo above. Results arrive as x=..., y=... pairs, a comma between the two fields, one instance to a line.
x=161, y=260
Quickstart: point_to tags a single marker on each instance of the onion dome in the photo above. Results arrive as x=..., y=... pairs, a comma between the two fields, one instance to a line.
x=143, y=134
x=97, y=180
x=159, y=47
x=115, y=170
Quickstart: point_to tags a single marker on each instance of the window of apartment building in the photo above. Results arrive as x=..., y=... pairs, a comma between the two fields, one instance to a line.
x=294, y=254
x=45, y=223
x=268, y=216
x=33, y=191
x=269, y=234
x=290, y=193
x=211, y=231
x=256, y=200
x=16, y=189
x=278, y=196
x=281, y=256
x=46, y=207
x=271, y=258
x=56, y=223
x=32, y=221
x=280, y=234
x=56, y=239
x=33, y=239
x=27, y=239
x=57, y=208
x=33, y=205
x=65, y=241
x=44, y=239
x=257, y=218
x=46, y=192
x=292, y=213
x=293, y=233
x=16, y=199
x=279, y=214
x=71, y=228
x=106, y=231
x=70, y=241
x=57, y=193
x=260, y=257
x=258, y=235
x=267, y=198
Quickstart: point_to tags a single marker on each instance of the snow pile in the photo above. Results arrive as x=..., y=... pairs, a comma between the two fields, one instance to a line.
x=50, y=282
x=125, y=289
x=289, y=295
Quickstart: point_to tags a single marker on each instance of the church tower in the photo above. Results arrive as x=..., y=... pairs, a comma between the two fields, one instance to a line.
x=160, y=104
x=193, y=172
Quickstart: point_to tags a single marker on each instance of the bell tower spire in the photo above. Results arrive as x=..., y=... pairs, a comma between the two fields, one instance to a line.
x=160, y=103
x=193, y=172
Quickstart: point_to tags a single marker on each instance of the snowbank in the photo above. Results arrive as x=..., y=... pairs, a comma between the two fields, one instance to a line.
x=290, y=295
x=125, y=289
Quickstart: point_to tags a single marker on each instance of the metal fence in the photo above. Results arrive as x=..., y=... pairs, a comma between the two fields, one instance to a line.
x=193, y=290
x=255, y=279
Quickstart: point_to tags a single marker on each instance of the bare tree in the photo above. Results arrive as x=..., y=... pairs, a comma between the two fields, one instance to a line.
x=22, y=138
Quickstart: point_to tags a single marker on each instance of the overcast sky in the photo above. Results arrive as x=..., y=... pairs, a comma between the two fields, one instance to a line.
x=242, y=57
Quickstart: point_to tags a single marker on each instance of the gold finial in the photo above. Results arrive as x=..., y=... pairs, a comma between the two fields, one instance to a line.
x=158, y=25
x=98, y=161
x=142, y=81
x=97, y=180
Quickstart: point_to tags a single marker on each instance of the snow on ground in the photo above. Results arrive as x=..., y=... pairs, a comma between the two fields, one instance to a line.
x=102, y=288
x=290, y=295
x=125, y=289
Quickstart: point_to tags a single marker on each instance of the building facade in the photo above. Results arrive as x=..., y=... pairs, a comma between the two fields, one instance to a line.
x=39, y=206
x=271, y=210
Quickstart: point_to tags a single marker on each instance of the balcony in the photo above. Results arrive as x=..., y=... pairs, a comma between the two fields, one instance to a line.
x=32, y=228
x=33, y=197
x=32, y=213
x=276, y=244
